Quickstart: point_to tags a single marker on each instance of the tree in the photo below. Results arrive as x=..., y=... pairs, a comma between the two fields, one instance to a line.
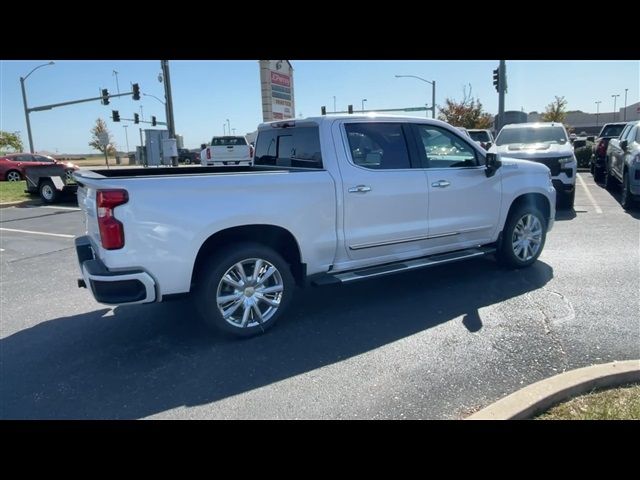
x=556, y=111
x=467, y=113
x=10, y=140
x=100, y=127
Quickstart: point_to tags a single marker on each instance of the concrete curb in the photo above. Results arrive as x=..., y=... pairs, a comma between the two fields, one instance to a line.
x=539, y=396
x=21, y=203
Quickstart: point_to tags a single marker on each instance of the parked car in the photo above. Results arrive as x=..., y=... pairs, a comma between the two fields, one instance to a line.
x=12, y=165
x=308, y=212
x=546, y=143
x=623, y=164
x=484, y=138
x=188, y=157
x=598, y=159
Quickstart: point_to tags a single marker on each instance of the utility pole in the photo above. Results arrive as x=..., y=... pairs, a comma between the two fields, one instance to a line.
x=625, y=103
x=126, y=136
x=615, y=114
x=502, y=87
x=167, y=94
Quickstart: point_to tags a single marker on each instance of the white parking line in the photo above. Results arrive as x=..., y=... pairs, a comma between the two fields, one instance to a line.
x=61, y=208
x=36, y=233
x=586, y=189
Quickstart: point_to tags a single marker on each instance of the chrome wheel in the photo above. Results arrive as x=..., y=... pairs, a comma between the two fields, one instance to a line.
x=13, y=177
x=527, y=237
x=249, y=293
x=68, y=175
x=47, y=192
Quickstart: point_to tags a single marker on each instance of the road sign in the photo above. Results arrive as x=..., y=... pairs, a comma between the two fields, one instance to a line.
x=103, y=138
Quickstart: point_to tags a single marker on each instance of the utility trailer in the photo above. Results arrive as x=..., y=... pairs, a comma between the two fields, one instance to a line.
x=51, y=182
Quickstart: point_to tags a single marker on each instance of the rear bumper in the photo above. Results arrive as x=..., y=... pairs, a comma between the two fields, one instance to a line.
x=224, y=163
x=113, y=287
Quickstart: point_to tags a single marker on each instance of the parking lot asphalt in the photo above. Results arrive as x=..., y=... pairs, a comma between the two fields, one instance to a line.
x=437, y=343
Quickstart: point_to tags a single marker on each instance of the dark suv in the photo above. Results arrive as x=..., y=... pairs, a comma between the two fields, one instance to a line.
x=598, y=162
x=187, y=156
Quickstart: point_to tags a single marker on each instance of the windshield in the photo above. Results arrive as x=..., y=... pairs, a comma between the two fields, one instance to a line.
x=226, y=141
x=481, y=136
x=532, y=135
x=611, y=130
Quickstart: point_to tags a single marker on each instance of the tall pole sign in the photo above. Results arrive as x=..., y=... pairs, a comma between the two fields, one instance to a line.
x=276, y=85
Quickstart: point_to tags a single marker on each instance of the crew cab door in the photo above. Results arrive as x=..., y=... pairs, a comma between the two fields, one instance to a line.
x=384, y=200
x=464, y=205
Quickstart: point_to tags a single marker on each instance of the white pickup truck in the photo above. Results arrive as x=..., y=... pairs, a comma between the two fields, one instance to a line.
x=329, y=199
x=227, y=151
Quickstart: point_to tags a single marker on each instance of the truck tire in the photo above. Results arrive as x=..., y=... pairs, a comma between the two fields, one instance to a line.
x=243, y=289
x=626, y=199
x=48, y=191
x=609, y=181
x=523, y=237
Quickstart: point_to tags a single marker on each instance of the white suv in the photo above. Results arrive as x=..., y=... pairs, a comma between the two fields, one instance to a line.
x=546, y=143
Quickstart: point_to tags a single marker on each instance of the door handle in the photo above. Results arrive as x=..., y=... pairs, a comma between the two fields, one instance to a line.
x=441, y=184
x=360, y=189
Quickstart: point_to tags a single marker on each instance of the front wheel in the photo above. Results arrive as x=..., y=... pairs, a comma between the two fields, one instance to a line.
x=244, y=289
x=523, y=237
x=13, y=176
x=626, y=198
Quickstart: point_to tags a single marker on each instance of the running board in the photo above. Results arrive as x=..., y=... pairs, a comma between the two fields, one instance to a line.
x=433, y=260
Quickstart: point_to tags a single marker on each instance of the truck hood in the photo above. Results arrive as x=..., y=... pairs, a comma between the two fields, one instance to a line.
x=532, y=150
x=522, y=165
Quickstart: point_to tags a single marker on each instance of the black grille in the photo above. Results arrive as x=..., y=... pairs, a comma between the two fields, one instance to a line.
x=552, y=163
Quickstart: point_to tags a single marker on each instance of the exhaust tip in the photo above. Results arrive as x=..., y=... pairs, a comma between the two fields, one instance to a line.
x=82, y=283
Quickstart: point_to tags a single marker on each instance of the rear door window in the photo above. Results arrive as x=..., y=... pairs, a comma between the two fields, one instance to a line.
x=378, y=146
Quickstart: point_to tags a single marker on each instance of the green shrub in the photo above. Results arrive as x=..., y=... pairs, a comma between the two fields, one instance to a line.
x=583, y=155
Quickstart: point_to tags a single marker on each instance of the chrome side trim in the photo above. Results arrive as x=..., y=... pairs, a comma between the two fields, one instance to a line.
x=404, y=240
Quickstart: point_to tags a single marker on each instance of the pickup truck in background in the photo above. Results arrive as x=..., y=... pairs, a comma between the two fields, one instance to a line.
x=546, y=143
x=623, y=164
x=598, y=163
x=227, y=151
x=332, y=199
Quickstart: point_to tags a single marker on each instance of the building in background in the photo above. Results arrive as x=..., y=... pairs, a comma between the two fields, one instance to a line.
x=276, y=86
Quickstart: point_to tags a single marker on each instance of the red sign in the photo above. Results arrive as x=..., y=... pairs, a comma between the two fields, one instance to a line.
x=280, y=79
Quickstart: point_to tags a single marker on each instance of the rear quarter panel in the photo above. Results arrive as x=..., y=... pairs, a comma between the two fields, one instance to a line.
x=167, y=219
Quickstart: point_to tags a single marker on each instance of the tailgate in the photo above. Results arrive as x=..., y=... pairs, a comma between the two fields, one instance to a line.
x=230, y=152
x=87, y=203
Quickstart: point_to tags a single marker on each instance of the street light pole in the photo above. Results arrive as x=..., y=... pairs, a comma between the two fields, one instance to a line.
x=625, y=103
x=598, y=111
x=615, y=114
x=433, y=92
x=228, y=127
x=117, y=84
x=24, y=101
x=363, y=100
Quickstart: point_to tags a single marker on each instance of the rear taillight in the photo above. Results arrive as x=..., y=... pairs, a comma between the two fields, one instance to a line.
x=601, y=150
x=111, y=230
x=250, y=151
x=208, y=154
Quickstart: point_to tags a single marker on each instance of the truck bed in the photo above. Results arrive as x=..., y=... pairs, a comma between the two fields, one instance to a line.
x=173, y=171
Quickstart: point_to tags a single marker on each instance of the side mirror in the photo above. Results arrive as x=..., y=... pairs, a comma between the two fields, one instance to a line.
x=487, y=145
x=493, y=163
x=623, y=144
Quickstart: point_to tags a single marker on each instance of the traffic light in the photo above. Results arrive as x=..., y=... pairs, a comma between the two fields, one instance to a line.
x=136, y=118
x=105, y=96
x=136, y=91
x=323, y=110
x=350, y=108
x=153, y=121
x=496, y=79
x=115, y=115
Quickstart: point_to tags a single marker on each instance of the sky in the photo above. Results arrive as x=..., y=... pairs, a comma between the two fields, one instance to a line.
x=207, y=93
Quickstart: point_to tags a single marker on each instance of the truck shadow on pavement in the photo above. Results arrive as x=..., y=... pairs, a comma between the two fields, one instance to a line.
x=143, y=360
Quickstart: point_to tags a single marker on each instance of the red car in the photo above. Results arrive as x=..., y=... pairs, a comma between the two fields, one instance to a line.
x=12, y=165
